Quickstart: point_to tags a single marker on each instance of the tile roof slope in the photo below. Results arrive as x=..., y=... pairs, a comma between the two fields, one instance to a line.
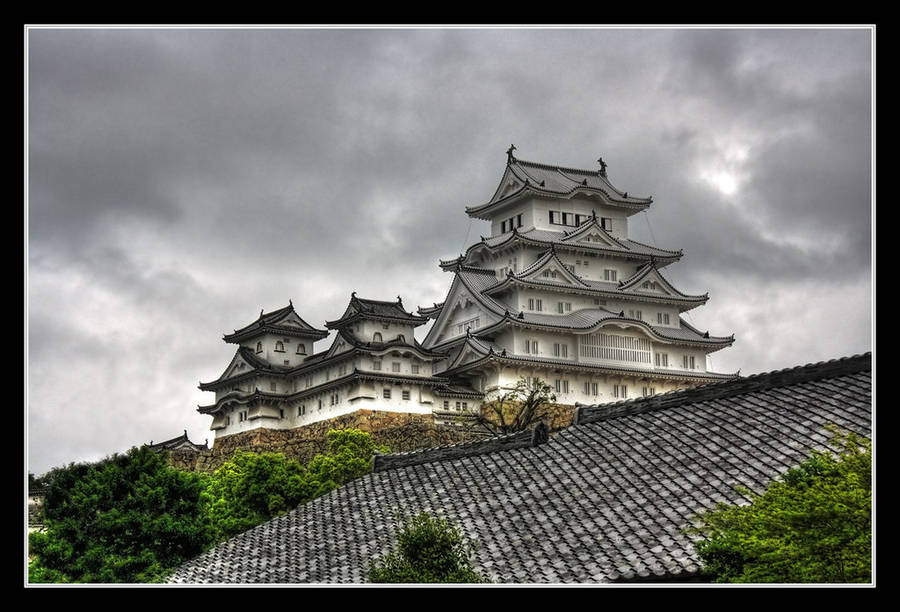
x=601, y=501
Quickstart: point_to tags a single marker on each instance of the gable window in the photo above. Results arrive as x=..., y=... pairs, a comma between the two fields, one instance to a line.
x=279, y=347
x=259, y=347
x=401, y=338
x=609, y=275
x=376, y=337
x=301, y=349
x=636, y=314
x=519, y=220
x=662, y=317
x=606, y=223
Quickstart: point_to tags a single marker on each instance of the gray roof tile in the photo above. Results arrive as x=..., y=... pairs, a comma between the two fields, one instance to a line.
x=601, y=501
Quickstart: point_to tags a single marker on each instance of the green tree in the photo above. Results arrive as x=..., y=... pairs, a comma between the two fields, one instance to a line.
x=429, y=549
x=812, y=526
x=252, y=488
x=526, y=404
x=127, y=518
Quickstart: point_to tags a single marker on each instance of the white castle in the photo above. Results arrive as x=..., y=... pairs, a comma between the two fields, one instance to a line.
x=558, y=292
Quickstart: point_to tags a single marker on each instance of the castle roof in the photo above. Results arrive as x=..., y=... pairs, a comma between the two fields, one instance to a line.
x=568, y=241
x=525, y=178
x=364, y=309
x=178, y=443
x=605, y=500
x=283, y=321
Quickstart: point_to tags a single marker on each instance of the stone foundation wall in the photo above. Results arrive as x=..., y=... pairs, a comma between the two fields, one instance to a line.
x=399, y=431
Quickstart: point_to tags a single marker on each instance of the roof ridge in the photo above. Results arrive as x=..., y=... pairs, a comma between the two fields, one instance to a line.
x=520, y=439
x=556, y=167
x=757, y=382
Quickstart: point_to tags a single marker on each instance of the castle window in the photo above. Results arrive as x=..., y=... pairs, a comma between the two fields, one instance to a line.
x=401, y=338
x=259, y=347
x=578, y=219
x=606, y=223
x=689, y=363
x=662, y=317
x=301, y=349
x=593, y=388
x=503, y=227
x=405, y=394
x=414, y=369
x=386, y=393
x=565, y=218
x=385, y=325
x=661, y=360
x=376, y=365
x=553, y=215
x=636, y=314
x=376, y=337
x=279, y=347
x=287, y=362
x=446, y=405
x=609, y=275
x=301, y=410
x=227, y=421
x=320, y=404
x=281, y=412
x=272, y=386
x=457, y=405
x=395, y=366
x=465, y=406
x=518, y=220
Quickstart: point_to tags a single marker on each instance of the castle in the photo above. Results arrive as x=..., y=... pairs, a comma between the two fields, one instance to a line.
x=557, y=292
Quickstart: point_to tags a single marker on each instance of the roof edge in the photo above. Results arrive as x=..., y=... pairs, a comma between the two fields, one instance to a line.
x=521, y=439
x=757, y=382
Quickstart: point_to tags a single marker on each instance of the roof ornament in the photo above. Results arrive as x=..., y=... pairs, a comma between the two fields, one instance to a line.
x=622, y=314
x=506, y=313
x=584, y=182
x=594, y=214
x=509, y=272
x=626, y=195
x=353, y=295
x=603, y=165
x=468, y=332
x=542, y=184
x=621, y=283
x=509, y=154
x=706, y=335
x=521, y=315
x=399, y=300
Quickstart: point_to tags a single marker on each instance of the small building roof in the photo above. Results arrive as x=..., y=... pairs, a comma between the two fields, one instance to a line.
x=284, y=321
x=364, y=309
x=605, y=500
x=178, y=443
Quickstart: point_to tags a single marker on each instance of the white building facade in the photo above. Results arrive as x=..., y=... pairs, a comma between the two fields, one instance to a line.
x=558, y=292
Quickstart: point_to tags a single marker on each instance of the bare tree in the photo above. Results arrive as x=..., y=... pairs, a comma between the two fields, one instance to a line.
x=529, y=402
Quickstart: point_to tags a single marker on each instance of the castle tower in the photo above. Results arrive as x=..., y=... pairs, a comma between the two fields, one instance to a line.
x=559, y=291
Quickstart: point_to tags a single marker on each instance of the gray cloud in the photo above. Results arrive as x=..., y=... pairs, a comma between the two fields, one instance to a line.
x=180, y=180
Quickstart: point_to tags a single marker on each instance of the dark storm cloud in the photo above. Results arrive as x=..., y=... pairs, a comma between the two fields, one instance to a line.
x=180, y=180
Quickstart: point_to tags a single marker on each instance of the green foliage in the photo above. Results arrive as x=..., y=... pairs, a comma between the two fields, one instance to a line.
x=526, y=404
x=128, y=518
x=429, y=549
x=813, y=526
x=252, y=488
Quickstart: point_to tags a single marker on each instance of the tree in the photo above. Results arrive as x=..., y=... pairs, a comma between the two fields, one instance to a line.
x=252, y=488
x=814, y=525
x=429, y=549
x=527, y=403
x=127, y=518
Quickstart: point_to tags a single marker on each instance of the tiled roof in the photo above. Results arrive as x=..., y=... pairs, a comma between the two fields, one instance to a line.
x=556, y=181
x=181, y=442
x=361, y=308
x=274, y=322
x=605, y=500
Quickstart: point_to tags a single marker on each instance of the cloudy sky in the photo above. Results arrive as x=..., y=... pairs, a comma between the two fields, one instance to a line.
x=179, y=181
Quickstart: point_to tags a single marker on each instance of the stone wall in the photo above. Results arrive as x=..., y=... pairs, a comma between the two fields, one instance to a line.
x=399, y=431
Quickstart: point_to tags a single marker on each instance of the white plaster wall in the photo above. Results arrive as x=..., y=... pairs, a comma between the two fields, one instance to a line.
x=542, y=208
x=365, y=331
x=508, y=213
x=270, y=355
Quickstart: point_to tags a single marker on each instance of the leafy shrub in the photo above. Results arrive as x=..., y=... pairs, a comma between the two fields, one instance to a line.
x=429, y=549
x=814, y=525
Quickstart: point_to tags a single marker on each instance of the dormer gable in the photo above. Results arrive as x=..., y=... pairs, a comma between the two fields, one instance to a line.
x=592, y=233
x=650, y=281
x=550, y=269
